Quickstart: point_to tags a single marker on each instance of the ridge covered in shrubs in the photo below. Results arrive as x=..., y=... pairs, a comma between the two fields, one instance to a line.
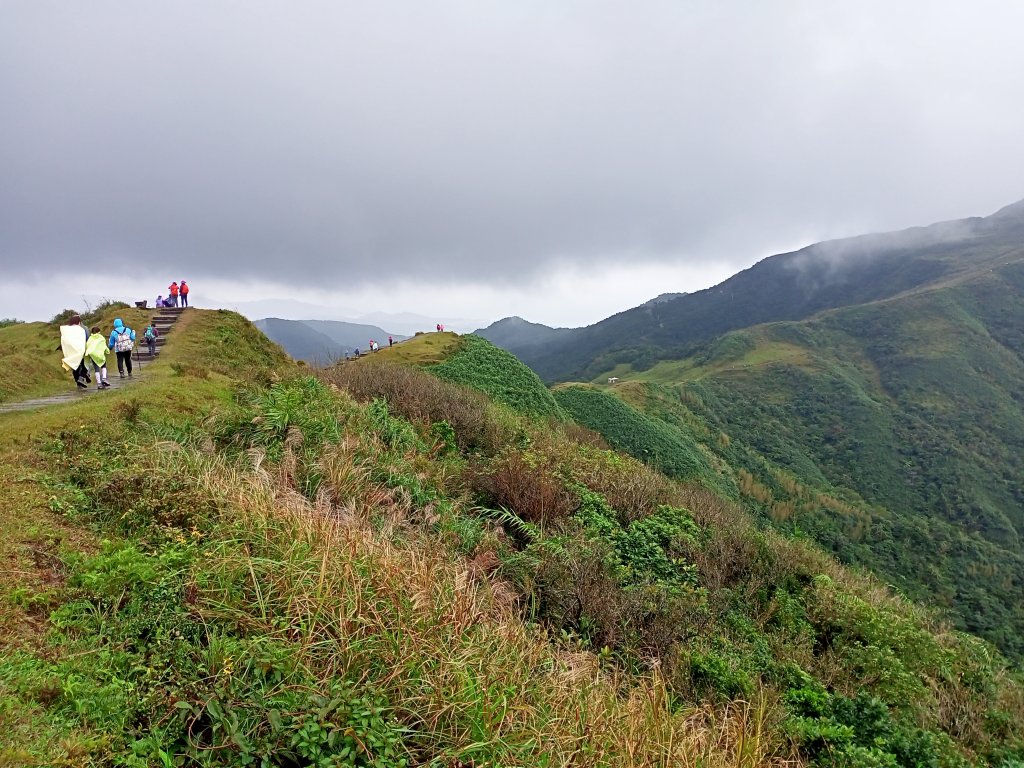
x=379, y=567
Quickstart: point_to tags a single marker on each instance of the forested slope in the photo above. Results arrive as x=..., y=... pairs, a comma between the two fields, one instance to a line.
x=908, y=411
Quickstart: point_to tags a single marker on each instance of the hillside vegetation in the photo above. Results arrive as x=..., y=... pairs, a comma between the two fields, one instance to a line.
x=481, y=365
x=905, y=415
x=380, y=567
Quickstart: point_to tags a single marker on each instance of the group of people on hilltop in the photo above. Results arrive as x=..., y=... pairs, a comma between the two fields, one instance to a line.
x=83, y=347
x=175, y=293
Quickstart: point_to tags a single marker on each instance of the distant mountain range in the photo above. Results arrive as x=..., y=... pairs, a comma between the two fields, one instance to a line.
x=789, y=286
x=513, y=333
x=406, y=323
x=322, y=341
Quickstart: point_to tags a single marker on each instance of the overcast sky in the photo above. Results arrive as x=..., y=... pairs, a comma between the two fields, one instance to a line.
x=554, y=159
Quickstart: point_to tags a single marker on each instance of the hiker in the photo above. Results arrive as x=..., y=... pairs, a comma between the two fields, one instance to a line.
x=391, y=342
x=438, y=327
x=356, y=353
x=150, y=336
x=73, y=338
x=122, y=341
x=183, y=292
x=159, y=301
x=173, y=297
x=96, y=353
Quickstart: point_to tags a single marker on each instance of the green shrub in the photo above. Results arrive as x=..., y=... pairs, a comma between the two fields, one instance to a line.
x=861, y=732
x=62, y=317
x=655, y=443
x=269, y=415
x=713, y=672
x=481, y=365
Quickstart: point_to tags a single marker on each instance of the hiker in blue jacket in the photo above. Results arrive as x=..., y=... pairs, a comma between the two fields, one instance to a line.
x=122, y=341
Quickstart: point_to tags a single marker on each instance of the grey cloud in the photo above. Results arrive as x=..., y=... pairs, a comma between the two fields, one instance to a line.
x=482, y=141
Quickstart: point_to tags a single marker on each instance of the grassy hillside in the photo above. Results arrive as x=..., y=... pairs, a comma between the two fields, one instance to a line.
x=479, y=364
x=907, y=412
x=231, y=564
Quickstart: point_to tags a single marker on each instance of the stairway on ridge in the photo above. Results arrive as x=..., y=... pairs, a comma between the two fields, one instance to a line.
x=163, y=319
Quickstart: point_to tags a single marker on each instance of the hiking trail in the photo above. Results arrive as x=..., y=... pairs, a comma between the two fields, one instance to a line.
x=163, y=321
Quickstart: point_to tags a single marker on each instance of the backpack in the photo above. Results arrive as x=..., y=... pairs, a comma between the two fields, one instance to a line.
x=151, y=333
x=124, y=341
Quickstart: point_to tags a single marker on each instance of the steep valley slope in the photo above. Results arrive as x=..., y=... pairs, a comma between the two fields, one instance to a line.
x=890, y=432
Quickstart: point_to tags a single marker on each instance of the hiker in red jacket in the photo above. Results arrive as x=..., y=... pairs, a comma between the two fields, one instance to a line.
x=183, y=291
x=173, y=295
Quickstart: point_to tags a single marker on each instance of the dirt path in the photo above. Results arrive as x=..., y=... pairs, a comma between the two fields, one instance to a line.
x=72, y=395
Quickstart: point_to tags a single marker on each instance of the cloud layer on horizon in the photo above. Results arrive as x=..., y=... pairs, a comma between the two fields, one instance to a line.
x=482, y=143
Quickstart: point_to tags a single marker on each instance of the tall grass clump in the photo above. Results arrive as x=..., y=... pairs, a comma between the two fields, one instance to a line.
x=477, y=424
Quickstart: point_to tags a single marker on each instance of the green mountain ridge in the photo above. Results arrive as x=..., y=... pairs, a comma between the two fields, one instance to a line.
x=790, y=286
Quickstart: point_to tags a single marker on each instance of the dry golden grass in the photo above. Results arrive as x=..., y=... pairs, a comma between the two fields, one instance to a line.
x=383, y=603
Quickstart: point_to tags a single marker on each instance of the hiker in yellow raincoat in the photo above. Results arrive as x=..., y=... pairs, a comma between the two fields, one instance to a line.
x=72, y=345
x=96, y=353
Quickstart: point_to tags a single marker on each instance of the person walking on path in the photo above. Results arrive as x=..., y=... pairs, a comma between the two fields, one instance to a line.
x=391, y=341
x=122, y=341
x=150, y=336
x=96, y=353
x=183, y=292
x=73, y=338
x=173, y=296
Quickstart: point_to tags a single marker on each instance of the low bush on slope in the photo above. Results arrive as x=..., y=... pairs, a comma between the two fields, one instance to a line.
x=479, y=364
x=662, y=446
